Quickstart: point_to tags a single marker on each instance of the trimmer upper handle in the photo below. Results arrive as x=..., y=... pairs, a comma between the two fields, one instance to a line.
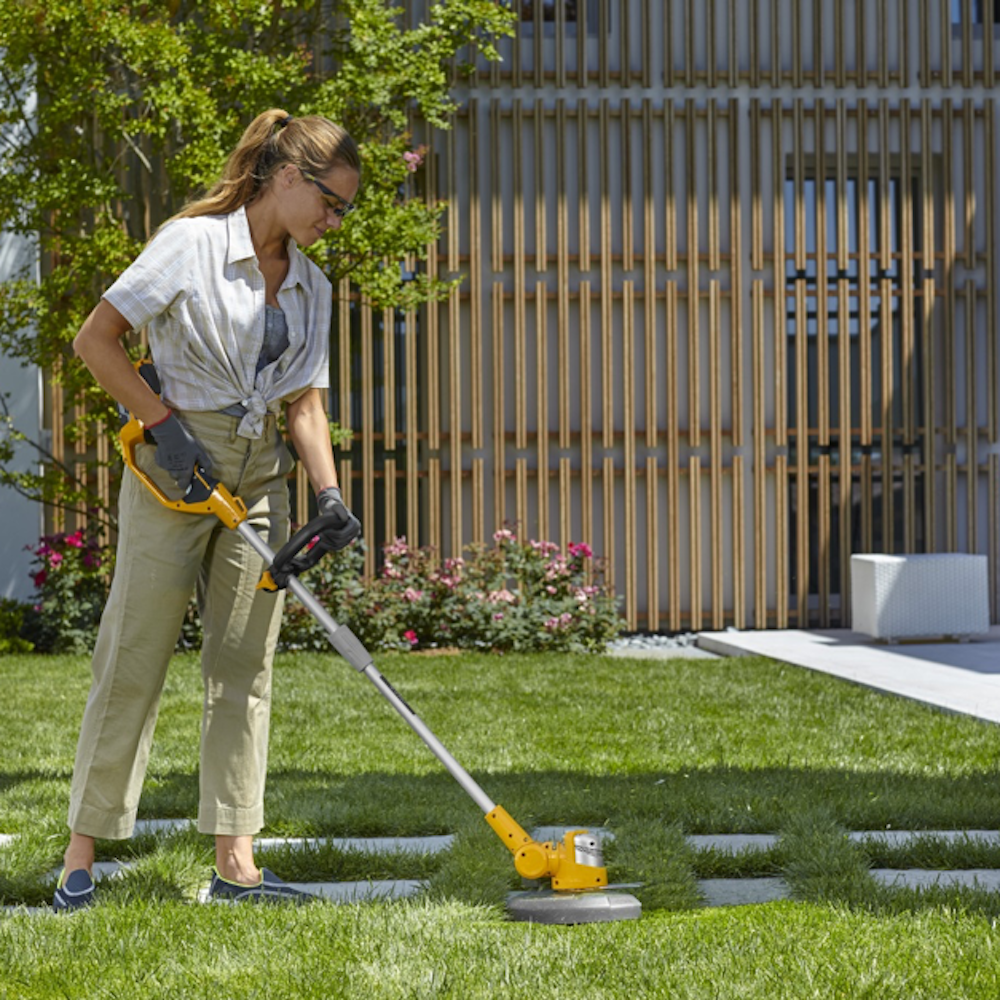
x=205, y=495
x=288, y=562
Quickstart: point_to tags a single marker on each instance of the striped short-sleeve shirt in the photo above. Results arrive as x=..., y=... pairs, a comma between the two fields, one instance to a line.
x=198, y=290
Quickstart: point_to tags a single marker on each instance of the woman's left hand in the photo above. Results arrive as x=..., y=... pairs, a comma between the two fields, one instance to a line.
x=335, y=538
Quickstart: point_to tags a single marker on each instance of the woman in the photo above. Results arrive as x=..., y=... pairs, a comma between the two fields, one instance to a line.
x=238, y=322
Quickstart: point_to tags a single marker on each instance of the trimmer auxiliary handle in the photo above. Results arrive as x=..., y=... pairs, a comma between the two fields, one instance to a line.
x=573, y=864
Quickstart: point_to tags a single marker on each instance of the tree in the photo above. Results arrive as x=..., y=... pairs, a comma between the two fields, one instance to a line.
x=113, y=113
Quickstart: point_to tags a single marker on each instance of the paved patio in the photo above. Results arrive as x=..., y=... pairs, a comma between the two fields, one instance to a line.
x=956, y=676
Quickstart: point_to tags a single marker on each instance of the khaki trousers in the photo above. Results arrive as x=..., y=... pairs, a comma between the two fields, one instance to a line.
x=163, y=557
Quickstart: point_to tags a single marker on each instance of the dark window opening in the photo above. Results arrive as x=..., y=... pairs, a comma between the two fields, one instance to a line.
x=979, y=10
x=879, y=499
x=531, y=9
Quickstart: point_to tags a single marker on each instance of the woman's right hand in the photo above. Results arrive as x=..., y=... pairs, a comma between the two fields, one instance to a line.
x=177, y=451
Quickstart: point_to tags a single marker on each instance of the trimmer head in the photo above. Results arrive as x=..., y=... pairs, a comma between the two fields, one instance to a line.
x=544, y=906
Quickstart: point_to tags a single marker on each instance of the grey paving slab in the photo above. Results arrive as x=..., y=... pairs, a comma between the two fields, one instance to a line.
x=900, y=838
x=162, y=825
x=557, y=833
x=367, y=845
x=352, y=892
x=957, y=676
x=924, y=878
x=732, y=843
x=663, y=653
x=743, y=891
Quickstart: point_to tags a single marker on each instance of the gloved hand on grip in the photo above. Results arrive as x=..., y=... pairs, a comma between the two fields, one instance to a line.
x=330, y=501
x=177, y=451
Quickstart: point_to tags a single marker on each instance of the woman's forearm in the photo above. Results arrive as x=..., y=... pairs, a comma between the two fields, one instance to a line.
x=99, y=346
x=309, y=429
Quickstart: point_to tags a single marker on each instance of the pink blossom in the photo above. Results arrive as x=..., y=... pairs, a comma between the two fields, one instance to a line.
x=75, y=540
x=556, y=569
x=397, y=547
x=498, y=617
x=501, y=597
x=562, y=621
x=546, y=548
x=39, y=578
x=581, y=550
x=504, y=535
x=55, y=558
x=412, y=595
x=550, y=589
x=411, y=637
x=390, y=572
x=413, y=158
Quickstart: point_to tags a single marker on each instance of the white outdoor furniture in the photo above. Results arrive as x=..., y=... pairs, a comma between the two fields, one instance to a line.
x=911, y=596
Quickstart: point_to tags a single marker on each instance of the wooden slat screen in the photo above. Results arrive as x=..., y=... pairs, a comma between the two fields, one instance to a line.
x=729, y=311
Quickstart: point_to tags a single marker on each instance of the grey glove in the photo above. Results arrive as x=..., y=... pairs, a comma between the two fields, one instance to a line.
x=329, y=501
x=177, y=451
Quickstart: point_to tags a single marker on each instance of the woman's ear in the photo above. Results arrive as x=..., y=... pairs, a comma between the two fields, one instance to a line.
x=288, y=175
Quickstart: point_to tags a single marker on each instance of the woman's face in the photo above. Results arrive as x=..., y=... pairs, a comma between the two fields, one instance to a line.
x=319, y=202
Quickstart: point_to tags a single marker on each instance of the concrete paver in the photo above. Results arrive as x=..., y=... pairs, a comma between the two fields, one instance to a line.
x=957, y=676
x=366, y=845
x=924, y=878
x=743, y=891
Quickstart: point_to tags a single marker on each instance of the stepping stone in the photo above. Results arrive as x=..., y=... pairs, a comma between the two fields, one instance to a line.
x=557, y=833
x=366, y=845
x=162, y=825
x=7, y=838
x=352, y=892
x=360, y=892
x=733, y=843
x=743, y=891
x=900, y=838
x=924, y=878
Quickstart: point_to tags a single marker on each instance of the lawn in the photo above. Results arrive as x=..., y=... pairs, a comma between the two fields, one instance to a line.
x=652, y=750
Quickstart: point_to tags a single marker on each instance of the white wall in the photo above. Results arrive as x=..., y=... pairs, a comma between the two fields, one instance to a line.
x=20, y=519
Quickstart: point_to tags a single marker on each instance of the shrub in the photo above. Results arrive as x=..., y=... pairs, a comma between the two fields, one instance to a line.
x=71, y=586
x=11, y=627
x=515, y=596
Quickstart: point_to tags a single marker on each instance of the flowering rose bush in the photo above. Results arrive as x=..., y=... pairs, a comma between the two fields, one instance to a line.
x=70, y=574
x=512, y=596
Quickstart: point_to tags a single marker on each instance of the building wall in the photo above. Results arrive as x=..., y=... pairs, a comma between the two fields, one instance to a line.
x=716, y=254
x=21, y=523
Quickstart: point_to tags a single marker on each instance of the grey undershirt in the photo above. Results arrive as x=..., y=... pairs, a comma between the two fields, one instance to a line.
x=275, y=344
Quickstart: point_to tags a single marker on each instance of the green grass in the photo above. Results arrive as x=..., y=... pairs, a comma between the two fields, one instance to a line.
x=653, y=750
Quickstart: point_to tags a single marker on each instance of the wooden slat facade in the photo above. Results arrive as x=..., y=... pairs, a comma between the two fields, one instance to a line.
x=732, y=268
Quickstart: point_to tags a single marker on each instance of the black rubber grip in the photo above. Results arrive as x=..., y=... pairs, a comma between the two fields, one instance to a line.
x=287, y=562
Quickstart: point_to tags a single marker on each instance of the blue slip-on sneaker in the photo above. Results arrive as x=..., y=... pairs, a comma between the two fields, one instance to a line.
x=74, y=891
x=270, y=889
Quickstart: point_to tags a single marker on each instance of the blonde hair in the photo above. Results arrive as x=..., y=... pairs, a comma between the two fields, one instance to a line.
x=312, y=143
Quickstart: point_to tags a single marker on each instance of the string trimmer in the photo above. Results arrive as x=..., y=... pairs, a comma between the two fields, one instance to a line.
x=574, y=866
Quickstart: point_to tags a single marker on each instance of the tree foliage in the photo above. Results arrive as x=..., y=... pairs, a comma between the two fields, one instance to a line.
x=113, y=113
